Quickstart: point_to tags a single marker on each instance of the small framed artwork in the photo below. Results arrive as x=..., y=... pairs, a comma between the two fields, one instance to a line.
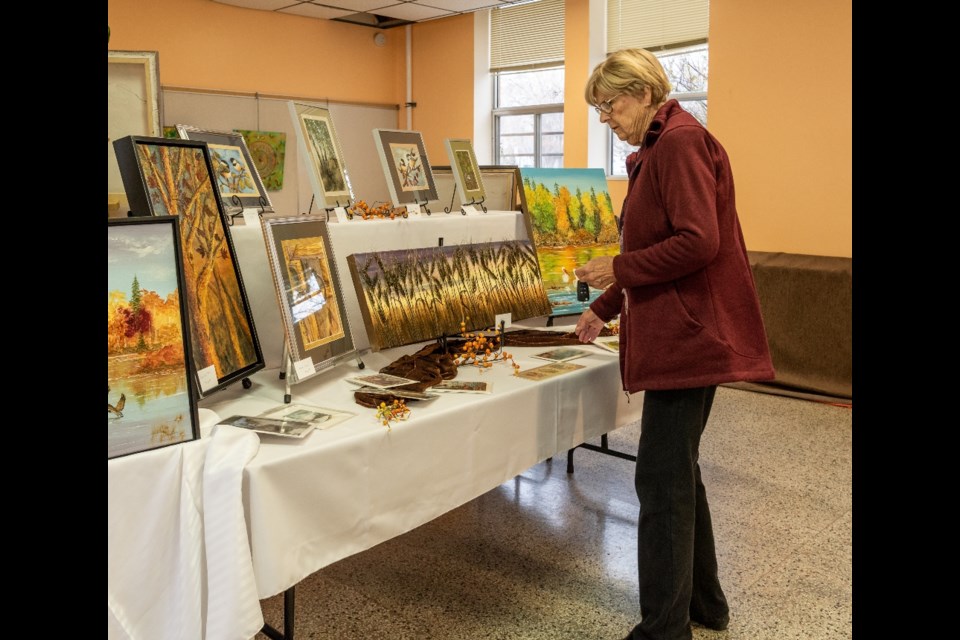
x=405, y=165
x=151, y=396
x=466, y=171
x=234, y=170
x=174, y=177
x=318, y=141
x=308, y=290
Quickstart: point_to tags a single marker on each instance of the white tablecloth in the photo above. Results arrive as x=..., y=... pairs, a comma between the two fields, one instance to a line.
x=340, y=491
x=178, y=558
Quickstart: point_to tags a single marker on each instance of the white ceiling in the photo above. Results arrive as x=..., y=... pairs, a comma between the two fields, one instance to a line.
x=380, y=14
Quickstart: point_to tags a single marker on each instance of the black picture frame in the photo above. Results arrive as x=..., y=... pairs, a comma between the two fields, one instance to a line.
x=156, y=416
x=167, y=176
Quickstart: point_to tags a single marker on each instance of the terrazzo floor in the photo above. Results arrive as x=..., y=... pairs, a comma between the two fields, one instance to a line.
x=552, y=556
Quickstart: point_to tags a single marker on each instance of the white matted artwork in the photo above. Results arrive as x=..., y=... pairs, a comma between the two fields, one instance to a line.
x=466, y=171
x=405, y=166
x=317, y=140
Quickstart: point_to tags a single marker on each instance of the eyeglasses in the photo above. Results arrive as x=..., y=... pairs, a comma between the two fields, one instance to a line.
x=607, y=105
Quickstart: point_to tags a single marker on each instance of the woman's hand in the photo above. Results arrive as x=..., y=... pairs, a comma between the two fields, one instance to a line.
x=597, y=273
x=588, y=326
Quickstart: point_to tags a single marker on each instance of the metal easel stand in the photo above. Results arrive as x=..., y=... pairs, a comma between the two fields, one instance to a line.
x=287, y=369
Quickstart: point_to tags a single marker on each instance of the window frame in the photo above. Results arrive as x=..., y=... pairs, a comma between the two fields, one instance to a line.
x=537, y=111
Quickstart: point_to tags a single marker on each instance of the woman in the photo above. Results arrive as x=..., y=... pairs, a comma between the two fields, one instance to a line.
x=689, y=320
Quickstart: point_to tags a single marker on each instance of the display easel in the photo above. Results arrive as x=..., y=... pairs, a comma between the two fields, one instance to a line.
x=288, y=368
x=472, y=203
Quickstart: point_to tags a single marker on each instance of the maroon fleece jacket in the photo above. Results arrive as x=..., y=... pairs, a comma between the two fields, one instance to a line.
x=688, y=305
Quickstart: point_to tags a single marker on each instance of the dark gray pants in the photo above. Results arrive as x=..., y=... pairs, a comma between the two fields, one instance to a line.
x=676, y=554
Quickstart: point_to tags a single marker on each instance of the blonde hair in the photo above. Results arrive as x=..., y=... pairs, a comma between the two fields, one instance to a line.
x=628, y=71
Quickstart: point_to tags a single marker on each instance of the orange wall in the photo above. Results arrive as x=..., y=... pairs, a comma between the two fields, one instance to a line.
x=209, y=45
x=780, y=91
x=577, y=70
x=442, y=83
x=781, y=102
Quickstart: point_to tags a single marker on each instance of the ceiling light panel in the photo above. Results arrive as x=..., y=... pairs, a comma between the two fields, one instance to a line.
x=315, y=11
x=412, y=11
x=265, y=5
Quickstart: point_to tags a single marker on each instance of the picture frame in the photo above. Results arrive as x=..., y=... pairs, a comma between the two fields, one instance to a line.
x=308, y=290
x=466, y=171
x=413, y=295
x=405, y=166
x=234, y=170
x=133, y=108
x=164, y=176
x=317, y=140
x=569, y=216
x=151, y=392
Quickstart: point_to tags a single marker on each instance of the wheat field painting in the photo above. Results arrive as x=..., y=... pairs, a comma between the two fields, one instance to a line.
x=414, y=295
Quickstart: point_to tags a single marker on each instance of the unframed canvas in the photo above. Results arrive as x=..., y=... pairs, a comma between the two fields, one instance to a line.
x=308, y=289
x=412, y=295
x=173, y=177
x=570, y=214
x=151, y=398
x=268, y=150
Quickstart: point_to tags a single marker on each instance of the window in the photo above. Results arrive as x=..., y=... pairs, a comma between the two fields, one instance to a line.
x=526, y=60
x=687, y=70
x=528, y=118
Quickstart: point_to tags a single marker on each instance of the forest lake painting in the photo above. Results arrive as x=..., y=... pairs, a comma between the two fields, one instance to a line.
x=148, y=393
x=572, y=219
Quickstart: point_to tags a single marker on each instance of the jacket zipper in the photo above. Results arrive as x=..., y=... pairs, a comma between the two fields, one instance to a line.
x=626, y=307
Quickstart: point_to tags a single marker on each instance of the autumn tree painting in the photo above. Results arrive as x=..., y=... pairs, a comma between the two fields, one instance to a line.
x=572, y=219
x=149, y=400
x=221, y=329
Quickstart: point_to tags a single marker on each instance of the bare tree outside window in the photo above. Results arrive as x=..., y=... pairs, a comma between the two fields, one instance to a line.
x=687, y=70
x=528, y=118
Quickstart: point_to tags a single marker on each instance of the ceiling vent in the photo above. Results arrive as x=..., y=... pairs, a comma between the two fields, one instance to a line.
x=372, y=20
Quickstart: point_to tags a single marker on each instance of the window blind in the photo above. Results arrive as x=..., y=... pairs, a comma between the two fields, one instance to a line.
x=654, y=24
x=527, y=36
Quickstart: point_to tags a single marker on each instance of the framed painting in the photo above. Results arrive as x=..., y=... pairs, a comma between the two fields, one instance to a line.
x=308, y=289
x=133, y=109
x=151, y=396
x=317, y=140
x=570, y=216
x=174, y=177
x=501, y=188
x=466, y=171
x=413, y=295
x=268, y=149
x=234, y=170
x=405, y=165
